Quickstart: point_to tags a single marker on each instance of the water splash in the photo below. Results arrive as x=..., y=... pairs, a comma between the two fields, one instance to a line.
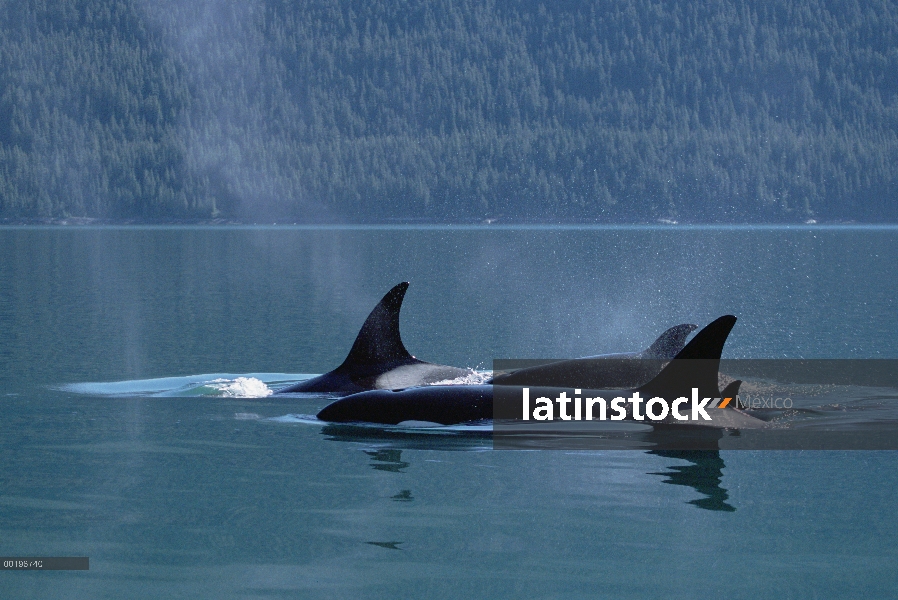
x=242, y=387
x=472, y=378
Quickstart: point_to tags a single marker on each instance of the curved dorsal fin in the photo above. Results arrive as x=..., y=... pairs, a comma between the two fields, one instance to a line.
x=708, y=343
x=670, y=342
x=379, y=340
x=696, y=365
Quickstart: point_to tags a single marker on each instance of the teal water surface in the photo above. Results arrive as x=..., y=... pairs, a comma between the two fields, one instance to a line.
x=120, y=349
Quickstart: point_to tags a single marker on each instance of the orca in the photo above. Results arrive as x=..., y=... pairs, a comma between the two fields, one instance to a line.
x=605, y=371
x=378, y=358
x=695, y=366
x=442, y=404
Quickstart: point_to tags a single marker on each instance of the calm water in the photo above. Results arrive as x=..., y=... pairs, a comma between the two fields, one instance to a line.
x=174, y=488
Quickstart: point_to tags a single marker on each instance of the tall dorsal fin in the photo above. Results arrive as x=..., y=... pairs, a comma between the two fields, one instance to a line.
x=695, y=366
x=379, y=340
x=670, y=342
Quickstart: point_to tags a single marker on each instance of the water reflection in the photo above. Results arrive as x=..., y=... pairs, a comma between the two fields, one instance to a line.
x=475, y=440
x=390, y=460
x=388, y=545
x=403, y=496
x=387, y=459
x=703, y=475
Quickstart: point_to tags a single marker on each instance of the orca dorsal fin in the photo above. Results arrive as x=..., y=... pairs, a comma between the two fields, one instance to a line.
x=379, y=340
x=732, y=391
x=670, y=342
x=695, y=366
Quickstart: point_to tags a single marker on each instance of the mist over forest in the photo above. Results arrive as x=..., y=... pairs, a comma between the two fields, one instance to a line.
x=372, y=111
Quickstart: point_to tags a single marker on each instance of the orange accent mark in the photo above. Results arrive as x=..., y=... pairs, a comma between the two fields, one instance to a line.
x=724, y=403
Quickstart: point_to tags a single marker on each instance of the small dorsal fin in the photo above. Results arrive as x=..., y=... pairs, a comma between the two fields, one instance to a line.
x=732, y=391
x=379, y=340
x=670, y=342
x=696, y=365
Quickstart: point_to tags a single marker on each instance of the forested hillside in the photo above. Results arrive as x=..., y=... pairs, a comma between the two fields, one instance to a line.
x=449, y=110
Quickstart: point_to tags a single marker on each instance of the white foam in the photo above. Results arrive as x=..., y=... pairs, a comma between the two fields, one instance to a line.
x=472, y=378
x=242, y=387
